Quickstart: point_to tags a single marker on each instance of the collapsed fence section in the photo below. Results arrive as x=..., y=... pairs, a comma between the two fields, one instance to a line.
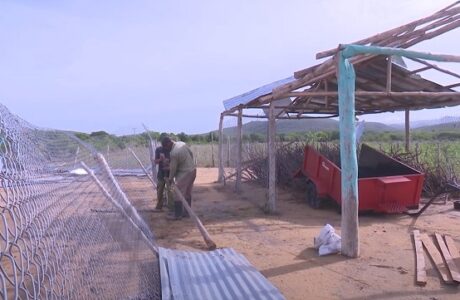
x=59, y=236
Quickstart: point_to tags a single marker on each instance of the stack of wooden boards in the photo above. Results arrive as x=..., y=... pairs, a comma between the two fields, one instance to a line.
x=445, y=257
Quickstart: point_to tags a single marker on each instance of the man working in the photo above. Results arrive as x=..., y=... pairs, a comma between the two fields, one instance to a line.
x=162, y=160
x=181, y=168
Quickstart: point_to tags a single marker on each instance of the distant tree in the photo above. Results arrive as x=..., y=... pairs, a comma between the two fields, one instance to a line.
x=99, y=134
x=82, y=136
x=183, y=137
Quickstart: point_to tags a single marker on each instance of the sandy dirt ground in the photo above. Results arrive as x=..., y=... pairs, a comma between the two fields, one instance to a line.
x=281, y=246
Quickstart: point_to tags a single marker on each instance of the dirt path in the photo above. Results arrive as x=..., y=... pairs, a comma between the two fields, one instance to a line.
x=281, y=246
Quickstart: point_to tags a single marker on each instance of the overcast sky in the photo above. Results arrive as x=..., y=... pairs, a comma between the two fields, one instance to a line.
x=111, y=65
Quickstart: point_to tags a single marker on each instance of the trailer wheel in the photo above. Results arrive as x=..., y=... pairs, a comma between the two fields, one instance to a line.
x=312, y=195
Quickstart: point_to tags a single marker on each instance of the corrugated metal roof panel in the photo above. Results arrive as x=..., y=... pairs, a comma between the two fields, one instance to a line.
x=254, y=94
x=218, y=274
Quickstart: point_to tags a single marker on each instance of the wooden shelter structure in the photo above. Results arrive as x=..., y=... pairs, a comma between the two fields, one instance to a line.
x=363, y=78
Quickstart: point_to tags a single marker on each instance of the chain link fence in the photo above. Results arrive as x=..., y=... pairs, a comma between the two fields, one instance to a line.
x=64, y=234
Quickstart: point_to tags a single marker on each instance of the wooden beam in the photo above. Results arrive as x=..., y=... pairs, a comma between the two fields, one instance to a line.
x=419, y=259
x=379, y=94
x=435, y=67
x=239, y=138
x=356, y=50
x=271, y=132
x=452, y=85
x=448, y=258
x=395, y=32
x=418, y=70
x=220, y=177
x=453, y=250
x=407, y=127
x=436, y=258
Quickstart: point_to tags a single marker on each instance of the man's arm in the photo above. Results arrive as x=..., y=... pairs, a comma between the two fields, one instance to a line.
x=157, y=156
x=173, y=160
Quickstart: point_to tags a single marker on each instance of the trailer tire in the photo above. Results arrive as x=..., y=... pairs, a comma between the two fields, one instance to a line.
x=312, y=195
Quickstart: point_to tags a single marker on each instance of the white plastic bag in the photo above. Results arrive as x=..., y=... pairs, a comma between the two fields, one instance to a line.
x=328, y=242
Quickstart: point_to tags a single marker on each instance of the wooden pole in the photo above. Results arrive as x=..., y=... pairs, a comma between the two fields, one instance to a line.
x=228, y=151
x=389, y=64
x=379, y=94
x=271, y=202
x=143, y=168
x=221, y=149
x=117, y=205
x=204, y=233
x=407, y=127
x=349, y=165
x=239, y=137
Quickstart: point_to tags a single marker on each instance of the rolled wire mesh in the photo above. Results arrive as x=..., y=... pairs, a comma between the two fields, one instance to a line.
x=60, y=237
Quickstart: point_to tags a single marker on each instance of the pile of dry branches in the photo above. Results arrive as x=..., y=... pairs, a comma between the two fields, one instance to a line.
x=439, y=173
x=289, y=157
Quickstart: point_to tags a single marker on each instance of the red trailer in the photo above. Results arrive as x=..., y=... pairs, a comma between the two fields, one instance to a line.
x=384, y=184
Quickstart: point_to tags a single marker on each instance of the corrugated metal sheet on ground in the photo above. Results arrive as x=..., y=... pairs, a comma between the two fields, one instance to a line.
x=218, y=274
x=254, y=94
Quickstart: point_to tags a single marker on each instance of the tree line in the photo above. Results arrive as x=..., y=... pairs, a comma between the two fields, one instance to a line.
x=101, y=139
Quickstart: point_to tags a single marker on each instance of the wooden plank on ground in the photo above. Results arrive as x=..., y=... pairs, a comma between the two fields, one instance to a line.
x=420, y=277
x=448, y=258
x=453, y=250
x=436, y=257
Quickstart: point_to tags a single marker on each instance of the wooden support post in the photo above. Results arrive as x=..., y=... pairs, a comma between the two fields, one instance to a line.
x=389, y=64
x=228, y=151
x=271, y=201
x=349, y=165
x=239, y=137
x=220, y=177
x=212, y=150
x=407, y=126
